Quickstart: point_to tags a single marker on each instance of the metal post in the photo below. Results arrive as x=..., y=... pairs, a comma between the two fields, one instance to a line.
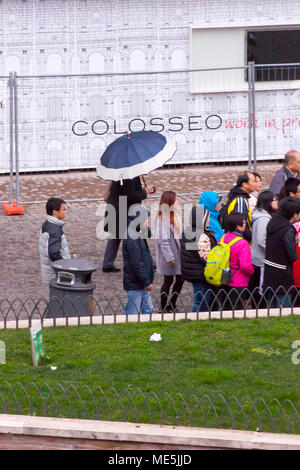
x=253, y=113
x=249, y=117
x=16, y=140
x=11, y=137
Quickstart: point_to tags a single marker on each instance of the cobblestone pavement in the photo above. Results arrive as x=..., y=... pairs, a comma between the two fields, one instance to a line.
x=20, y=266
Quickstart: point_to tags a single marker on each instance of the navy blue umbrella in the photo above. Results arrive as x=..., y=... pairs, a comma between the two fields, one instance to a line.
x=135, y=154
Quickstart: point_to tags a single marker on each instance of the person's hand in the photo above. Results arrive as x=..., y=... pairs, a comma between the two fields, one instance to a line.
x=148, y=288
x=172, y=263
x=148, y=189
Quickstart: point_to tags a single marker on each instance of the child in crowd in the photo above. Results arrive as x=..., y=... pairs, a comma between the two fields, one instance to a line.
x=212, y=203
x=168, y=250
x=240, y=262
x=138, y=272
x=52, y=241
x=291, y=188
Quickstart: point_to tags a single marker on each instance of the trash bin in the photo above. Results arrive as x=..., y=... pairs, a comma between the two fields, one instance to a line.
x=71, y=291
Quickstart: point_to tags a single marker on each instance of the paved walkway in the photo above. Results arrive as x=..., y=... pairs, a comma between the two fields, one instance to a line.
x=20, y=266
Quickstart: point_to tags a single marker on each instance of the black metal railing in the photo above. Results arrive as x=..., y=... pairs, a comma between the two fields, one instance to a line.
x=150, y=407
x=212, y=304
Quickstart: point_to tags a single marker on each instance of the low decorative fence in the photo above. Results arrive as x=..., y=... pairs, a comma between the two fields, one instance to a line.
x=152, y=408
x=221, y=303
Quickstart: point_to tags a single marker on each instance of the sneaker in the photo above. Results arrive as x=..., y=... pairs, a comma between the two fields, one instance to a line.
x=111, y=270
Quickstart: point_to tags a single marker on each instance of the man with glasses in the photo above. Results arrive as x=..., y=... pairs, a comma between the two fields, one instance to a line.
x=254, y=195
x=238, y=200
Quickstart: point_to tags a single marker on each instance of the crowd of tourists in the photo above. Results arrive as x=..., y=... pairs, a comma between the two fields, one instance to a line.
x=255, y=231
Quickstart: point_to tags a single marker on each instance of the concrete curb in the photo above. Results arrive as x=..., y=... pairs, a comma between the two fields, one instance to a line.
x=150, y=434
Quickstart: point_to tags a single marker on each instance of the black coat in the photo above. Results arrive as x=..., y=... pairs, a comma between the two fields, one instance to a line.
x=192, y=265
x=281, y=252
x=138, y=264
x=135, y=194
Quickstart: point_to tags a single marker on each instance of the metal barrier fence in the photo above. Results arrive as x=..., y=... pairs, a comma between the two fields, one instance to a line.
x=64, y=122
x=85, y=403
x=223, y=303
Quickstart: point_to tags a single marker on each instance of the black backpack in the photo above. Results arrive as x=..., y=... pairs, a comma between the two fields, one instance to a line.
x=223, y=213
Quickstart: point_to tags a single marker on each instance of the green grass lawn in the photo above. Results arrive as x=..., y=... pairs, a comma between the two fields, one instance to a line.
x=247, y=357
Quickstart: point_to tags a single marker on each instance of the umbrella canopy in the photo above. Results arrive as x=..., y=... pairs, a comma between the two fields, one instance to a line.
x=135, y=154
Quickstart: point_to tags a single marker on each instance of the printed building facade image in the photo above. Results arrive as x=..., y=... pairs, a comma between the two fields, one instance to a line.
x=67, y=122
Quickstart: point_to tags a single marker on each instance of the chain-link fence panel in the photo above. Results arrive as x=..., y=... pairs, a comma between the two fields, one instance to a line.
x=66, y=122
x=277, y=99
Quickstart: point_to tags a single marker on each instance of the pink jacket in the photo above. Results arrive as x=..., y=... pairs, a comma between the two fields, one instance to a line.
x=240, y=261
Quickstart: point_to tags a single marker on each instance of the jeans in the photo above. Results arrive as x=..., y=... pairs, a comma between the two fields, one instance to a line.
x=277, y=301
x=202, y=296
x=138, y=299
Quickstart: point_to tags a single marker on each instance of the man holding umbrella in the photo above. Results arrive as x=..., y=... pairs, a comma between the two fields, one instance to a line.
x=135, y=194
x=124, y=160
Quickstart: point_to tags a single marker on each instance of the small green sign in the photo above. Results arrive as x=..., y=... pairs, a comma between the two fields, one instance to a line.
x=2, y=352
x=37, y=345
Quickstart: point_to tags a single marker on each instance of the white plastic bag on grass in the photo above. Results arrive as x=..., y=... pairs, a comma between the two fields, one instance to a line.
x=155, y=337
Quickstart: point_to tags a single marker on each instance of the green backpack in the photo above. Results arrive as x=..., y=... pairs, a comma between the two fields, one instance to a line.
x=217, y=270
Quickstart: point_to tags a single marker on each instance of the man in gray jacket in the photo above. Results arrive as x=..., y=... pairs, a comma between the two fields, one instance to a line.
x=52, y=242
x=290, y=168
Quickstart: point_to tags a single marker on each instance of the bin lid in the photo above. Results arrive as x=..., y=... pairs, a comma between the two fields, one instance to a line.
x=74, y=264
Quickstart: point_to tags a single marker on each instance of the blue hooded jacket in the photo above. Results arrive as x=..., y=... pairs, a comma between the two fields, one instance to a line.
x=209, y=199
